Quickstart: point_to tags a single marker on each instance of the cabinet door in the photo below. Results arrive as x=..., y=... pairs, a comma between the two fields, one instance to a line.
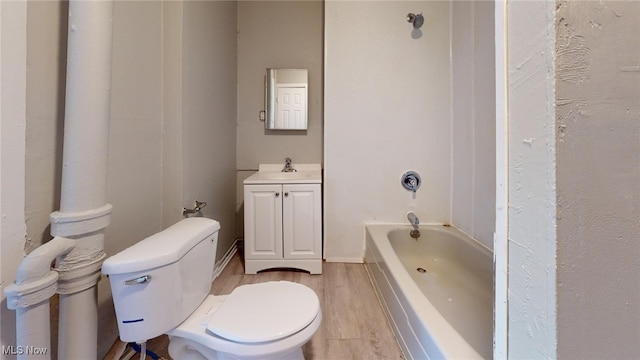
x=301, y=223
x=263, y=221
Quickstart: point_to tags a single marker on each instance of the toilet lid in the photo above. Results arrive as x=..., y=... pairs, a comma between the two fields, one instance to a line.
x=265, y=312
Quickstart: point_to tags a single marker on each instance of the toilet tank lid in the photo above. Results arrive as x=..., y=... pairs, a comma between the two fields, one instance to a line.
x=162, y=248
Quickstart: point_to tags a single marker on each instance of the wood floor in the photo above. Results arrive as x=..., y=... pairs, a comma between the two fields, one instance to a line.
x=353, y=323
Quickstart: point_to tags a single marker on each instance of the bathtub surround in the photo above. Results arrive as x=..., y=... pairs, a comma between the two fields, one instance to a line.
x=434, y=114
x=473, y=126
x=399, y=120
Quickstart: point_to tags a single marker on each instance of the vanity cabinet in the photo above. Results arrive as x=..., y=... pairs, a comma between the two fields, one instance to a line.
x=282, y=226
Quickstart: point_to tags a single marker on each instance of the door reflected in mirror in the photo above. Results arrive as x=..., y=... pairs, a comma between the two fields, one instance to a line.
x=286, y=99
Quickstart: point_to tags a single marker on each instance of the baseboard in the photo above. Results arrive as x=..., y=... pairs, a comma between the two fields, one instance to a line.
x=220, y=265
x=345, y=260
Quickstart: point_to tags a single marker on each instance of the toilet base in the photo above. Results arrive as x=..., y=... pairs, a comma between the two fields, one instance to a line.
x=184, y=349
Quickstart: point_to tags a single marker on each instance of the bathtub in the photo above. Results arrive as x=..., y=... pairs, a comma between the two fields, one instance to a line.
x=437, y=291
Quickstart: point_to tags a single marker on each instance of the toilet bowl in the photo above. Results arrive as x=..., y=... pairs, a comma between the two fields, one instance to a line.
x=161, y=286
x=244, y=325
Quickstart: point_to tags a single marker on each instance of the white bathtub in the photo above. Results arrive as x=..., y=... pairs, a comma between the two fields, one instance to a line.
x=445, y=312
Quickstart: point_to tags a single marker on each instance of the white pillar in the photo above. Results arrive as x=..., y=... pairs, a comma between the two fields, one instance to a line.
x=87, y=105
x=80, y=313
x=84, y=213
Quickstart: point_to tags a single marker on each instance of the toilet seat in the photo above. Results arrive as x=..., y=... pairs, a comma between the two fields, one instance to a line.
x=264, y=312
x=193, y=333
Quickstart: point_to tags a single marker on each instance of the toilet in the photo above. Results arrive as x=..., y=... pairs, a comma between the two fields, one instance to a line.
x=161, y=286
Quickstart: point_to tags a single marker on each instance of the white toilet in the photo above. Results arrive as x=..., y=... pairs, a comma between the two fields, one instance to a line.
x=161, y=286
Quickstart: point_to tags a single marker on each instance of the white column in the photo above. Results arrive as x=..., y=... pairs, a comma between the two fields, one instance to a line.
x=84, y=213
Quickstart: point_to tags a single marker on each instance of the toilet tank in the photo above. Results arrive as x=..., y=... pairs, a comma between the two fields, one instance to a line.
x=162, y=279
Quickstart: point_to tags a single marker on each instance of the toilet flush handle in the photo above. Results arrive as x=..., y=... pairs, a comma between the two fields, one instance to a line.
x=139, y=280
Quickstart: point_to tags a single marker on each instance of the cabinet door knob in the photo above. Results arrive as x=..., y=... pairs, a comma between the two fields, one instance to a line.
x=277, y=194
x=286, y=194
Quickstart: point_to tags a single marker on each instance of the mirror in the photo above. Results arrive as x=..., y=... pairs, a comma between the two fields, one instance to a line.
x=286, y=99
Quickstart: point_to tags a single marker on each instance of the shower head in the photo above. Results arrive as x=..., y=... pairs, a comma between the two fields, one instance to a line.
x=416, y=20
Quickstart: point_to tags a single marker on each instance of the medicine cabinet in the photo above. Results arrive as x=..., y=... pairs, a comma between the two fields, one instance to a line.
x=286, y=99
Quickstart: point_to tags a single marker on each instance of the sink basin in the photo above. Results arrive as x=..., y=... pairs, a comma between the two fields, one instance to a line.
x=287, y=175
x=273, y=175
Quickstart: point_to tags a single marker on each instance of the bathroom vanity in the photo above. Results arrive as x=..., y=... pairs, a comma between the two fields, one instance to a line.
x=283, y=219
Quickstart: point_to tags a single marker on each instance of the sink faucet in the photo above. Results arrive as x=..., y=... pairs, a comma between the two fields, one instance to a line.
x=287, y=166
x=413, y=219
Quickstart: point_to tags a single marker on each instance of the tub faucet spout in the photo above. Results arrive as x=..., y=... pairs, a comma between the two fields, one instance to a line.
x=413, y=219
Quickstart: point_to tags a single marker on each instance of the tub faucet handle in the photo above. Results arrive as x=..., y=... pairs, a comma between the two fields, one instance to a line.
x=410, y=180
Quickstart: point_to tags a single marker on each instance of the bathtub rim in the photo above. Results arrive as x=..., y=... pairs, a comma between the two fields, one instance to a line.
x=450, y=343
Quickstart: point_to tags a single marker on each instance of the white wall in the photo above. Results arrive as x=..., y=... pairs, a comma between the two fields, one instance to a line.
x=13, y=53
x=276, y=34
x=473, y=119
x=531, y=171
x=135, y=131
x=46, y=56
x=209, y=112
x=156, y=97
x=135, y=138
x=500, y=245
x=134, y=184
x=574, y=180
x=172, y=85
x=387, y=110
x=46, y=51
x=173, y=122
x=598, y=172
